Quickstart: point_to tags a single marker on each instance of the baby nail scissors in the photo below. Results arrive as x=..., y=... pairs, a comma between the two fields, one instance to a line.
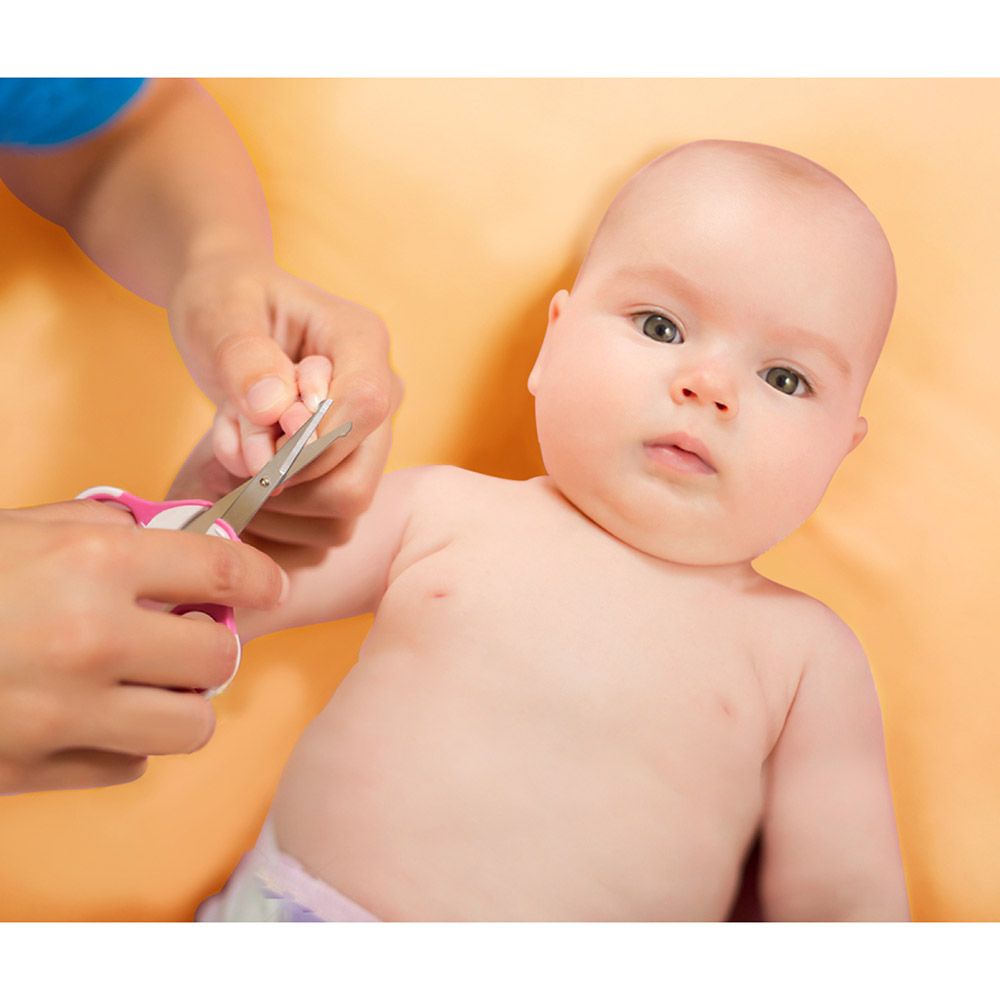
x=226, y=518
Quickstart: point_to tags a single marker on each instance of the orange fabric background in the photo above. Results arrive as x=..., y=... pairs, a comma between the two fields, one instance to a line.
x=455, y=209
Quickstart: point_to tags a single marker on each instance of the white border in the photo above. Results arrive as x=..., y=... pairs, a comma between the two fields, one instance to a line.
x=643, y=38
x=484, y=961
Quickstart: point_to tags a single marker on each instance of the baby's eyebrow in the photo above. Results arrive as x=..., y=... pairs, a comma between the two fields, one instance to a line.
x=689, y=289
x=796, y=336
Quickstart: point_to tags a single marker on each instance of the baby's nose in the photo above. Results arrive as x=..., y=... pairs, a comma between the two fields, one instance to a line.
x=709, y=389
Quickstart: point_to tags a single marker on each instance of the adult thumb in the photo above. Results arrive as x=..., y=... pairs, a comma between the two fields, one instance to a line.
x=257, y=377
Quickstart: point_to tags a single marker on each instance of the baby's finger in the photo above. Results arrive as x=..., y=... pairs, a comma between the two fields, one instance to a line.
x=227, y=445
x=363, y=386
x=256, y=444
x=338, y=452
x=293, y=418
x=313, y=374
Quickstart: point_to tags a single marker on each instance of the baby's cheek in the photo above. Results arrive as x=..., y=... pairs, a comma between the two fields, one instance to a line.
x=578, y=413
x=593, y=387
x=786, y=488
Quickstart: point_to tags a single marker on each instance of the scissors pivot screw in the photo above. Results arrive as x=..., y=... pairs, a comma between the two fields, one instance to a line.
x=265, y=482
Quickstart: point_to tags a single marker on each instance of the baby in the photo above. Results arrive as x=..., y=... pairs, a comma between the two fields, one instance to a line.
x=578, y=700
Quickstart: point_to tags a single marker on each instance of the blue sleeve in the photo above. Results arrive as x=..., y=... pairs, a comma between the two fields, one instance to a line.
x=37, y=112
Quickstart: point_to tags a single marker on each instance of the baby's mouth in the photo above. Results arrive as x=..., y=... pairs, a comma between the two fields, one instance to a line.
x=682, y=453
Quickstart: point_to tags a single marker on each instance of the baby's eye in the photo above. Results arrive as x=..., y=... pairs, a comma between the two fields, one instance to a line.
x=658, y=327
x=787, y=381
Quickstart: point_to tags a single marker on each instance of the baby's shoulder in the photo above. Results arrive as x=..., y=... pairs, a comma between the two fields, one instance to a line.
x=442, y=496
x=448, y=485
x=811, y=618
x=819, y=638
x=807, y=647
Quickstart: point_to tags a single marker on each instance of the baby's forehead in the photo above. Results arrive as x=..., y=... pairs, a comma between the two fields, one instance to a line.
x=754, y=223
x=751, y=211
x=741, y=182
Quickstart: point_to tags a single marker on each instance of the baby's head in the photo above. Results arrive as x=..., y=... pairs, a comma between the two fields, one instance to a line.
x=699, y=386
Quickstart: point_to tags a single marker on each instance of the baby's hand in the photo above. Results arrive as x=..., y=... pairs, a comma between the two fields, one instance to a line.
x=243, y=447
x=312, y=376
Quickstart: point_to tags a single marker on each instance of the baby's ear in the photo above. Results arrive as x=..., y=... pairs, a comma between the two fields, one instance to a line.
x=557, y=305
x=860, y=430
x=555, y=310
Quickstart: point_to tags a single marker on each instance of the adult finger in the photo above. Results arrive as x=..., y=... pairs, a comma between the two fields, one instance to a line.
x=312, y=532
x=363, y=384
x=178, y=567
x=142, y=721
x=174, y=651
x=364, y=388
x=256, y=375
x=82, y=769
x=75, y=512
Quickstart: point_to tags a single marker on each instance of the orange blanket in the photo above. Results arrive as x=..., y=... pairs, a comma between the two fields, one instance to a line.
x=455, y=209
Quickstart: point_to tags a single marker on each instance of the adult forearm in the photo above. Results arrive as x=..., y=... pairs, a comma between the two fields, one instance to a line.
x=165, y=184
x=177, y=184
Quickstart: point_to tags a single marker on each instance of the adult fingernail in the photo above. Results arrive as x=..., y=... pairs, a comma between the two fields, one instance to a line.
x=265, y=394
x=286, y=586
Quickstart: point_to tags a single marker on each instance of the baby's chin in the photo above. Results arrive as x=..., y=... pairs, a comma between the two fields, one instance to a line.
x=689, y=538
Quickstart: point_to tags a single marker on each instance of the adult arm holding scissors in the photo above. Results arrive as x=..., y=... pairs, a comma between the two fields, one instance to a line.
x=162, y=195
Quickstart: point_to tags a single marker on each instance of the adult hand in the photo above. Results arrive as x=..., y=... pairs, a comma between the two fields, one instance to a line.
x=267, y=347
x=91, y=681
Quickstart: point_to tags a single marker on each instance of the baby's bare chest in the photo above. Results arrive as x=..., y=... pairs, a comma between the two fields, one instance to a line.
x=558, y=626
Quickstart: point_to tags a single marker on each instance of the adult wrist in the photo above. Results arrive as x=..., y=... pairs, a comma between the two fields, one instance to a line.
x=230, y=245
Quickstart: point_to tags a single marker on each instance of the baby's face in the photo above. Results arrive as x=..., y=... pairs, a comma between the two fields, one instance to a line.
x=700, y=385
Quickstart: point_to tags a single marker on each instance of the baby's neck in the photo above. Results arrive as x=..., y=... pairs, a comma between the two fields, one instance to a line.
x=736, y=574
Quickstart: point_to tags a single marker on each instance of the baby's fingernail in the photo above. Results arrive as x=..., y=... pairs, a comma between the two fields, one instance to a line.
x=286, y=586
x=257, y=453
x=312, y=401
x=266, y=393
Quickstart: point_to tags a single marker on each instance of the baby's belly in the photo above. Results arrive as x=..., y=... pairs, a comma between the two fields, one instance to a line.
x=460, y=790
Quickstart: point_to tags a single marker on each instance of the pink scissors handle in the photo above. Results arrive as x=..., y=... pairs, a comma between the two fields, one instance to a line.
x=172, y=515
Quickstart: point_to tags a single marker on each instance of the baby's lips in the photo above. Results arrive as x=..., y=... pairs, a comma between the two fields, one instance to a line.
x=686, y=443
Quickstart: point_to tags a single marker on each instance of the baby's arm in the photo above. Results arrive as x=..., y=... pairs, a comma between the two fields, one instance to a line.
x=830, y=848
x=346, y=579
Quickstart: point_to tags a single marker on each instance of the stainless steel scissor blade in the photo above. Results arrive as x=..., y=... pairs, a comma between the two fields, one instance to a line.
x=312, y=451
x=240, y=506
